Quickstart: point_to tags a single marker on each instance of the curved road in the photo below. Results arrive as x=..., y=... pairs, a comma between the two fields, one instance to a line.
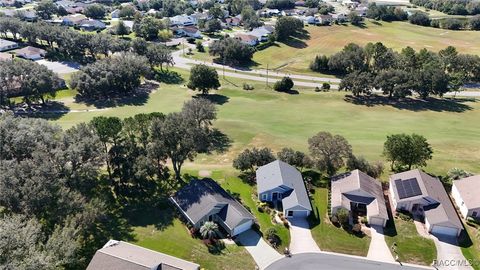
x=260, y=74
x=327, y=261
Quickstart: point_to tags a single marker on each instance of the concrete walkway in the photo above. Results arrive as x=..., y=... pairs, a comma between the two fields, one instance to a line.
x=378, y=250
x=449, y=254
x=301, y=240
x=263, y=254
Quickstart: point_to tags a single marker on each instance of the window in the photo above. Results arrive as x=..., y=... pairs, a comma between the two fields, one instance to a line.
x=290, y=213
x=264, y=197
x=474, y=214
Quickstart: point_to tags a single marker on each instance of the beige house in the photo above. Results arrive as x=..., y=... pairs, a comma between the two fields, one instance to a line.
x=360, y=194
x=424, y=196
x=466, y=197
x=119, y=255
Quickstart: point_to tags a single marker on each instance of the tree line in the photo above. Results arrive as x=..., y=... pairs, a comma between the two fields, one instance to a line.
x=390, y=13
x=328, y=153
x=451, y=7
x=399, y=74
x=64, y=193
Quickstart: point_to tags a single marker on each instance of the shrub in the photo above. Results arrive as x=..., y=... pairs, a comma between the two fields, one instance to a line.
x=404, y=216
x=191, y=40
x=452, y=24
x=286, y=224
x=364, y=220
x=247, y=86
x=260, y=209
x=325, y=87
x=419, y=18
x=342, y=215
x=199, y=46
x=334, y=219
x=357, y=228
x=317, y=89
x=283, y=85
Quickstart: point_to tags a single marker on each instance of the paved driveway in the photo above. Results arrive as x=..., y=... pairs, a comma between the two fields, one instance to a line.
x=60, y=67
x=449, y=254
x=378, y=250
x=301, y=240
x=263, y=254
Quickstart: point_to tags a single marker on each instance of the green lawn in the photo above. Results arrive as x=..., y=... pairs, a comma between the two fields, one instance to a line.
x=331, y=238
x=247, y=195
x=263, y=117
x=411, y=247
x=329, y=40
x=175, y=240
x=471, y=249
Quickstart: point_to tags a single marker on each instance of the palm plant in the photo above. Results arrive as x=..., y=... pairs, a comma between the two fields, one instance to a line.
x=209, y=230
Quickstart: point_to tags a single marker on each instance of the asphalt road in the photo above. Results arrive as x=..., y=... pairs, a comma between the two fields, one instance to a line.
x=324, y=261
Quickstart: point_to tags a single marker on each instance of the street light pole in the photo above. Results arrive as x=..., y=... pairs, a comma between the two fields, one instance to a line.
x=267, y=76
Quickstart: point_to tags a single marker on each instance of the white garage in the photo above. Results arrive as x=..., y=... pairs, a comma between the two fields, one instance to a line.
x=442, y=230
x=377, y=221
x=242, y=228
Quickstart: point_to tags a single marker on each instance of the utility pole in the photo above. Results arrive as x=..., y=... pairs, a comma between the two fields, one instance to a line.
x=183, y=47
x=223, y=66
x=267, y=76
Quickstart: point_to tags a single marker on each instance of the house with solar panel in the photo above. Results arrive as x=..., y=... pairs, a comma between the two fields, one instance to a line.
x=282, y=185
x=425, y=198
x=361, y=195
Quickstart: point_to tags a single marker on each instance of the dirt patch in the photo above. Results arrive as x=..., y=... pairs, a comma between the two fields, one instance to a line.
x=204, y=173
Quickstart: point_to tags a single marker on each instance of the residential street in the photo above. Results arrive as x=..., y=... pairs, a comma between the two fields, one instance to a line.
x=261, y=74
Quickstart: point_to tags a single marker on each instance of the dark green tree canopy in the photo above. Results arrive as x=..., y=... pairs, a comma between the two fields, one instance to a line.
x=203, y=78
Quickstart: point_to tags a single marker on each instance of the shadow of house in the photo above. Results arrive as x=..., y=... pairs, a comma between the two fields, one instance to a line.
x=204, y=200
x=413, y=104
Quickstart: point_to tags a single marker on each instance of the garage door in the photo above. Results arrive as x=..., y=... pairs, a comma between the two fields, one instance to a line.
x=297, y=213
x=444, y=231
x=376, y=221
x=242, y=227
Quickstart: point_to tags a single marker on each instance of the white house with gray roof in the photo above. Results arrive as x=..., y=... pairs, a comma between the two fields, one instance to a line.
x=204, y=200
x=119, y=255
x=282, y=184
x=357, y=191
x=423, y=195
x=466, y=197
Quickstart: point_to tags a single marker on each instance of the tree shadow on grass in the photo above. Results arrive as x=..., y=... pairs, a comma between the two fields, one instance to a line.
x=161, y=215
x=413, y=104
x=138, y=98
x=52, y=110
x=214, y=98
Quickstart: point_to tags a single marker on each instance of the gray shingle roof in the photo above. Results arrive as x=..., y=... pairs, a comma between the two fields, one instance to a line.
x=360, y=187
x=119, y=255
x=279, y=173
x=441, y=213
x=199, y=197
x=468, y=189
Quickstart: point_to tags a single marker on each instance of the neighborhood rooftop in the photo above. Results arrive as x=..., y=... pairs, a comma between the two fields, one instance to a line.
x=119, y=255
x=468, y=188
x=357, y=186
x=279, y=173
x=440, y=213
x=199, y=197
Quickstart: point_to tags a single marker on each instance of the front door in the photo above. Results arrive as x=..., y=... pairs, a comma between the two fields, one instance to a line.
x=274, y=196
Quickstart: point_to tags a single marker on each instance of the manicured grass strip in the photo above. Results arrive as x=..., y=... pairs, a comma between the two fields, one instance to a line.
x=411, y=247
x=176, y=241
x=331, y=238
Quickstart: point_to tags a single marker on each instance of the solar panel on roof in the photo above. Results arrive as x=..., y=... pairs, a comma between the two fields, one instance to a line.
x=408, y=188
